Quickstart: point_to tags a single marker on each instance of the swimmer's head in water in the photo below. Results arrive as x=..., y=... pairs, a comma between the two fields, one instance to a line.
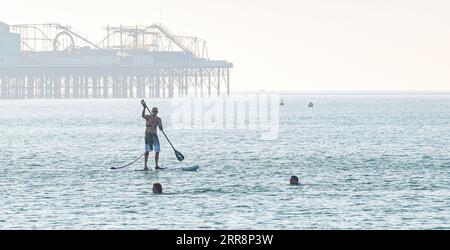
x=293, y=180
x=157, y=188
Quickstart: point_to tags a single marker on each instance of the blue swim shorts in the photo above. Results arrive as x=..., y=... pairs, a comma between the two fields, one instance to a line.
x=152, y=143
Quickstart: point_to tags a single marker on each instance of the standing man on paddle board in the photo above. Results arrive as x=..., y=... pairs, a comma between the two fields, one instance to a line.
x=152, y=121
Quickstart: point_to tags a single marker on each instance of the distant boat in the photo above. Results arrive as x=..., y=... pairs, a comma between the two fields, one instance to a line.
x=281, y=103
x=310, y=105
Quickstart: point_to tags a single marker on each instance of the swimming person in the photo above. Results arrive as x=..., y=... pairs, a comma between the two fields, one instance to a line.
x=157, y=188
x=151, y=138
x=294, y=180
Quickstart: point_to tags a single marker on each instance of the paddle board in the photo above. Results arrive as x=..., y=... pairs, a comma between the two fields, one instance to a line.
x=190, y=168
x=185, y=168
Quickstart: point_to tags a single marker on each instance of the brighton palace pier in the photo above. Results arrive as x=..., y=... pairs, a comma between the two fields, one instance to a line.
x=53, y=61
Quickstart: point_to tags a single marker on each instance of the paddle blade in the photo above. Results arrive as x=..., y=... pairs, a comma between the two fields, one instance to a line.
x=179, y=156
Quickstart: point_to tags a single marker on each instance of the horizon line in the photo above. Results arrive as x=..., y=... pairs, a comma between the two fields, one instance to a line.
x=344, y=92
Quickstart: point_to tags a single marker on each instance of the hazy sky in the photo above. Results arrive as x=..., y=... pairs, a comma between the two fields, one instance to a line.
x=286, y=44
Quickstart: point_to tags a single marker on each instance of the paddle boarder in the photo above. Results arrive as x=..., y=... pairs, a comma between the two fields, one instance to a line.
x=152, y=121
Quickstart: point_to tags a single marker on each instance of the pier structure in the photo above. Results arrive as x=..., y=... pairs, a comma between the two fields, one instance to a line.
x=53, y=61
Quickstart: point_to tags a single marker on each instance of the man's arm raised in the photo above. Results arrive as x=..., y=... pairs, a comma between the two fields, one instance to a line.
x=143, y=113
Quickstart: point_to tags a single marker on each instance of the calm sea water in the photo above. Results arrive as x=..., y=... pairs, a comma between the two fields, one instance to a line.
x=366, y=162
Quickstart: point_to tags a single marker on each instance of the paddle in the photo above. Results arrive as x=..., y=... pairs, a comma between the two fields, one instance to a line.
x=179, y=155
